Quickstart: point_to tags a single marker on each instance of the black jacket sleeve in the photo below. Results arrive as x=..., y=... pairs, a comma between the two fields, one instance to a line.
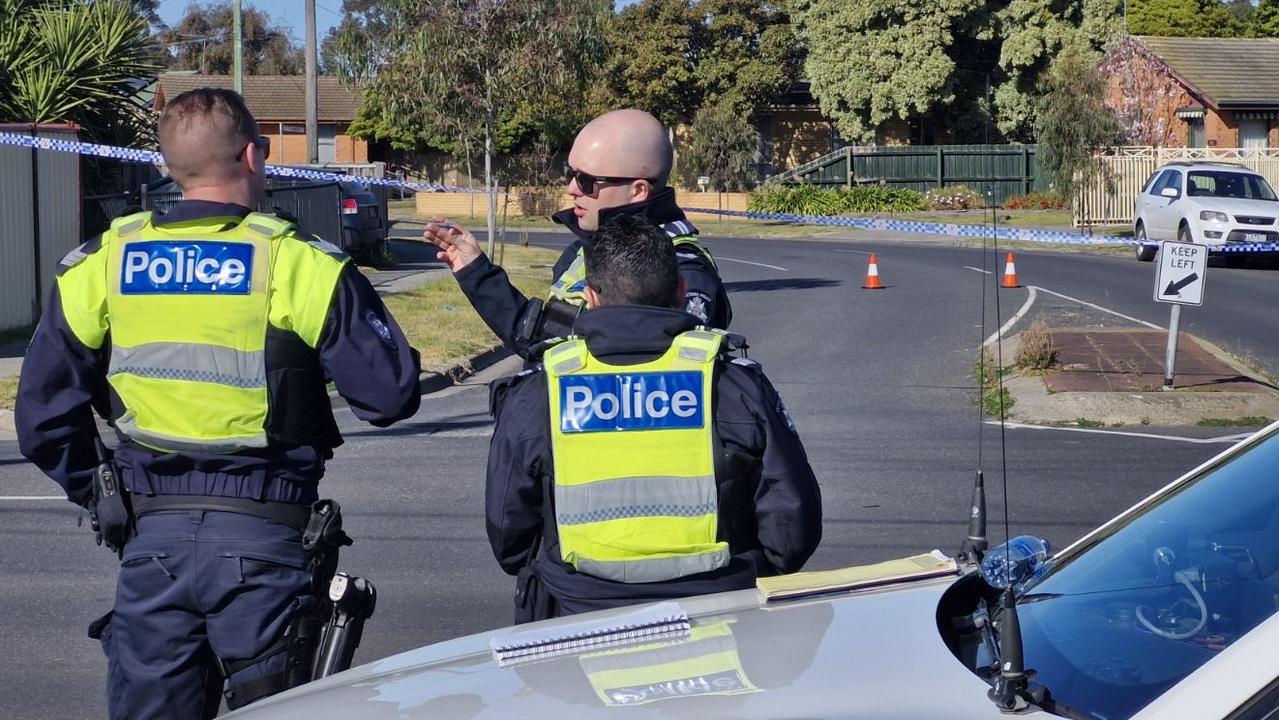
x=704, y=292
x=60, y=382
x=365, y=353
x=499, y=303
x=517, y=464
x=787, y=501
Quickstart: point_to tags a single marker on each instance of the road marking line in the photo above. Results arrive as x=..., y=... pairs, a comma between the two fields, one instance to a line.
x=858, y=252
x=749, y=262
x=1013, y=320
x=1154, y=436
x=970, y=267
x=1104, y=309
x=33, y=497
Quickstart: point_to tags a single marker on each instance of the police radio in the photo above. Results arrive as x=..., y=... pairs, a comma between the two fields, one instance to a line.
x=542, y=321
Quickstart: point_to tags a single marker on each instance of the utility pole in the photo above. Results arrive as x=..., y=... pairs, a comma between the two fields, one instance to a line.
x=237, y=46
x=312, y=119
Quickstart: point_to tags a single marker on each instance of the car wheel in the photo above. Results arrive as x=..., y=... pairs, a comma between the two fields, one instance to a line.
x=1145, y=251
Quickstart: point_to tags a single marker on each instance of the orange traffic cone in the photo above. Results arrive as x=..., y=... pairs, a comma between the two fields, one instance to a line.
x=1010, y=274
x=872, y=275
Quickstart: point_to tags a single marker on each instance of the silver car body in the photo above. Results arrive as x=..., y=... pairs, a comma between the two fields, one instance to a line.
x=861, y=654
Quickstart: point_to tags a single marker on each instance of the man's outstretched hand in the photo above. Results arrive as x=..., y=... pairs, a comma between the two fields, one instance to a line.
x=458, y=247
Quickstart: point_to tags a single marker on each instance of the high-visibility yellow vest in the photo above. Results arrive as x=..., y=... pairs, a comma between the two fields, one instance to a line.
x=707, y=663
x=187, y=306
x=634, y=466
x=571, y=285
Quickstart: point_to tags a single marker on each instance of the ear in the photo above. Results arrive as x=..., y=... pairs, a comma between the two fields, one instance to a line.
x=641, y=190
x=681, y=291
x=251, y=155
x=592, y=298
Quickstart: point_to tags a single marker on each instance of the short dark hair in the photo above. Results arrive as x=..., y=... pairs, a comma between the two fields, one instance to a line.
x=201, y=130
x=630, y=261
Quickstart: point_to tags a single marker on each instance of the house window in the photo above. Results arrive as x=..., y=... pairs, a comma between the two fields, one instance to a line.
x=1195, y=133
x=1254, y=133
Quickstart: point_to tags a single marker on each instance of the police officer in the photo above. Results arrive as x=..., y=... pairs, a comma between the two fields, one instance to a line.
x=207, y=333
x=618, y=166
x=644, y=461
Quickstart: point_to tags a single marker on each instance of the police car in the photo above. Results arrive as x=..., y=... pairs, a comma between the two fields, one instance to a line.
x=1167, y=611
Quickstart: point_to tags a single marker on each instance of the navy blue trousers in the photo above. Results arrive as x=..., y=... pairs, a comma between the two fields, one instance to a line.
x=195, y=587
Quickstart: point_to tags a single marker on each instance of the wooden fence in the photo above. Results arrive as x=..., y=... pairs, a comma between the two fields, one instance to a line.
x=1002, y=169
x=1109, y=196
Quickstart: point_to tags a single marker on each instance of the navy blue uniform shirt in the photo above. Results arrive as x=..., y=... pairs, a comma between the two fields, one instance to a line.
x=63, y=381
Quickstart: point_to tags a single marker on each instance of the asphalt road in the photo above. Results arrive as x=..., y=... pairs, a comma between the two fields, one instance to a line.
x=878, y=384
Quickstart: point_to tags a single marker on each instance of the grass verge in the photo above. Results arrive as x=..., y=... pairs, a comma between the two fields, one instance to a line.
x=440, y=322
x=996, y=400
x=8, y=392
x=1250, y=421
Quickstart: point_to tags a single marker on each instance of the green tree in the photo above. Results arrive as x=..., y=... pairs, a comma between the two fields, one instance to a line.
x=750, y=54
x=1264, y=20
x=202, y=41
x=353, y=49
x=76, y=61
x=1034, y=32
x=458, y=67
x=652, y=61
x=876, y=60
x=723, y=147
x=1074, y=122
x=1183, y=18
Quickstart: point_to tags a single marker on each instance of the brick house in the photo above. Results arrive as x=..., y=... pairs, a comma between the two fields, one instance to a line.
x=1196, y=92
x=279, y=104
x=793, y=131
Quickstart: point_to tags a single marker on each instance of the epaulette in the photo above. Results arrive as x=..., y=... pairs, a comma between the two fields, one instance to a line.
x=285, y=215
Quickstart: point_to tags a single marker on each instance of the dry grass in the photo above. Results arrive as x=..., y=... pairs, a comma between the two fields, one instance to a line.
x=8, y=392
x=443, y=326
x=1035, y=351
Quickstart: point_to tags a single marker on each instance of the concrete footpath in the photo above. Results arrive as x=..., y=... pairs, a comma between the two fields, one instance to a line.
x=1114, y=376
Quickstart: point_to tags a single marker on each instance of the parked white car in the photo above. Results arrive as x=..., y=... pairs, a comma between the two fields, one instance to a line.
x=1210, y=203
x=1167, y=612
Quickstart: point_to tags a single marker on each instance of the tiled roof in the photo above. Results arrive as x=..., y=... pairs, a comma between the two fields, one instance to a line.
x=1228, y=71
x=274, y=97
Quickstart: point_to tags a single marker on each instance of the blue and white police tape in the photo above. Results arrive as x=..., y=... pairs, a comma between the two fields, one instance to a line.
x=154, y=158
x=910, y=226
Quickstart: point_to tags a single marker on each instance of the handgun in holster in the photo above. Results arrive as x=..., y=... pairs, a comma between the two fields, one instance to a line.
x=323, y=636
x=543, y=321
x=110, y=514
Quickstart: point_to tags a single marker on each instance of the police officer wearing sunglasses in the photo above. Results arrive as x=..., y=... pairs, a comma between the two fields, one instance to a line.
x=618, y=166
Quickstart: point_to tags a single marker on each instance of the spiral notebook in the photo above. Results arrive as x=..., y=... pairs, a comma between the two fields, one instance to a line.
x=665, y=621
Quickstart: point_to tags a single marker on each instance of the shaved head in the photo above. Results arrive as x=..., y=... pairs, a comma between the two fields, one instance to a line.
x=203, y=134
x=630, y=150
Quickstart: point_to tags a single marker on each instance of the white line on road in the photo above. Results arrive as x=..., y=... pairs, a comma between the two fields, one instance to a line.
x=857, y=252
x=1105, y=310
x=970, y=267
x=750, y=262
x=1231, y=439
x=32, y=497
x=1030, y=300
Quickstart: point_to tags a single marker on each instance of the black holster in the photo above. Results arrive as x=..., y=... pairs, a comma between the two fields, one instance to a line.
x=323, y=636
x=110, y=513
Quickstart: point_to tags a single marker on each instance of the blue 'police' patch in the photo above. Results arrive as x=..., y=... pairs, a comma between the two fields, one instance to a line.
x=187, y=267
x=639, y=401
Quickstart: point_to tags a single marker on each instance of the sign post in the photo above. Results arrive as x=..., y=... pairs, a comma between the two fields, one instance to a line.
x=1179, y=281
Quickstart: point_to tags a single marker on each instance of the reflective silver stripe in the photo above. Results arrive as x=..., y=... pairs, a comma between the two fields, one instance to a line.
x=160, y=441
x=653, y=569
x=633, y=660
x=73, y=258
x=131, y=228
x=191, y=362
x=632, y=497
x=694, y=354
x=327, y=247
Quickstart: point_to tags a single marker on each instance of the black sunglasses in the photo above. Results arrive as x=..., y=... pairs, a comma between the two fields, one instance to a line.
x=261, y=141
x=586, y=181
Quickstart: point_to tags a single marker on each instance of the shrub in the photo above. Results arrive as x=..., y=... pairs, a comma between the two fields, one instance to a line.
x=815, y=200
x=1036, y=201
x=953, y=198
x=1036, y=351
x=541, y=201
